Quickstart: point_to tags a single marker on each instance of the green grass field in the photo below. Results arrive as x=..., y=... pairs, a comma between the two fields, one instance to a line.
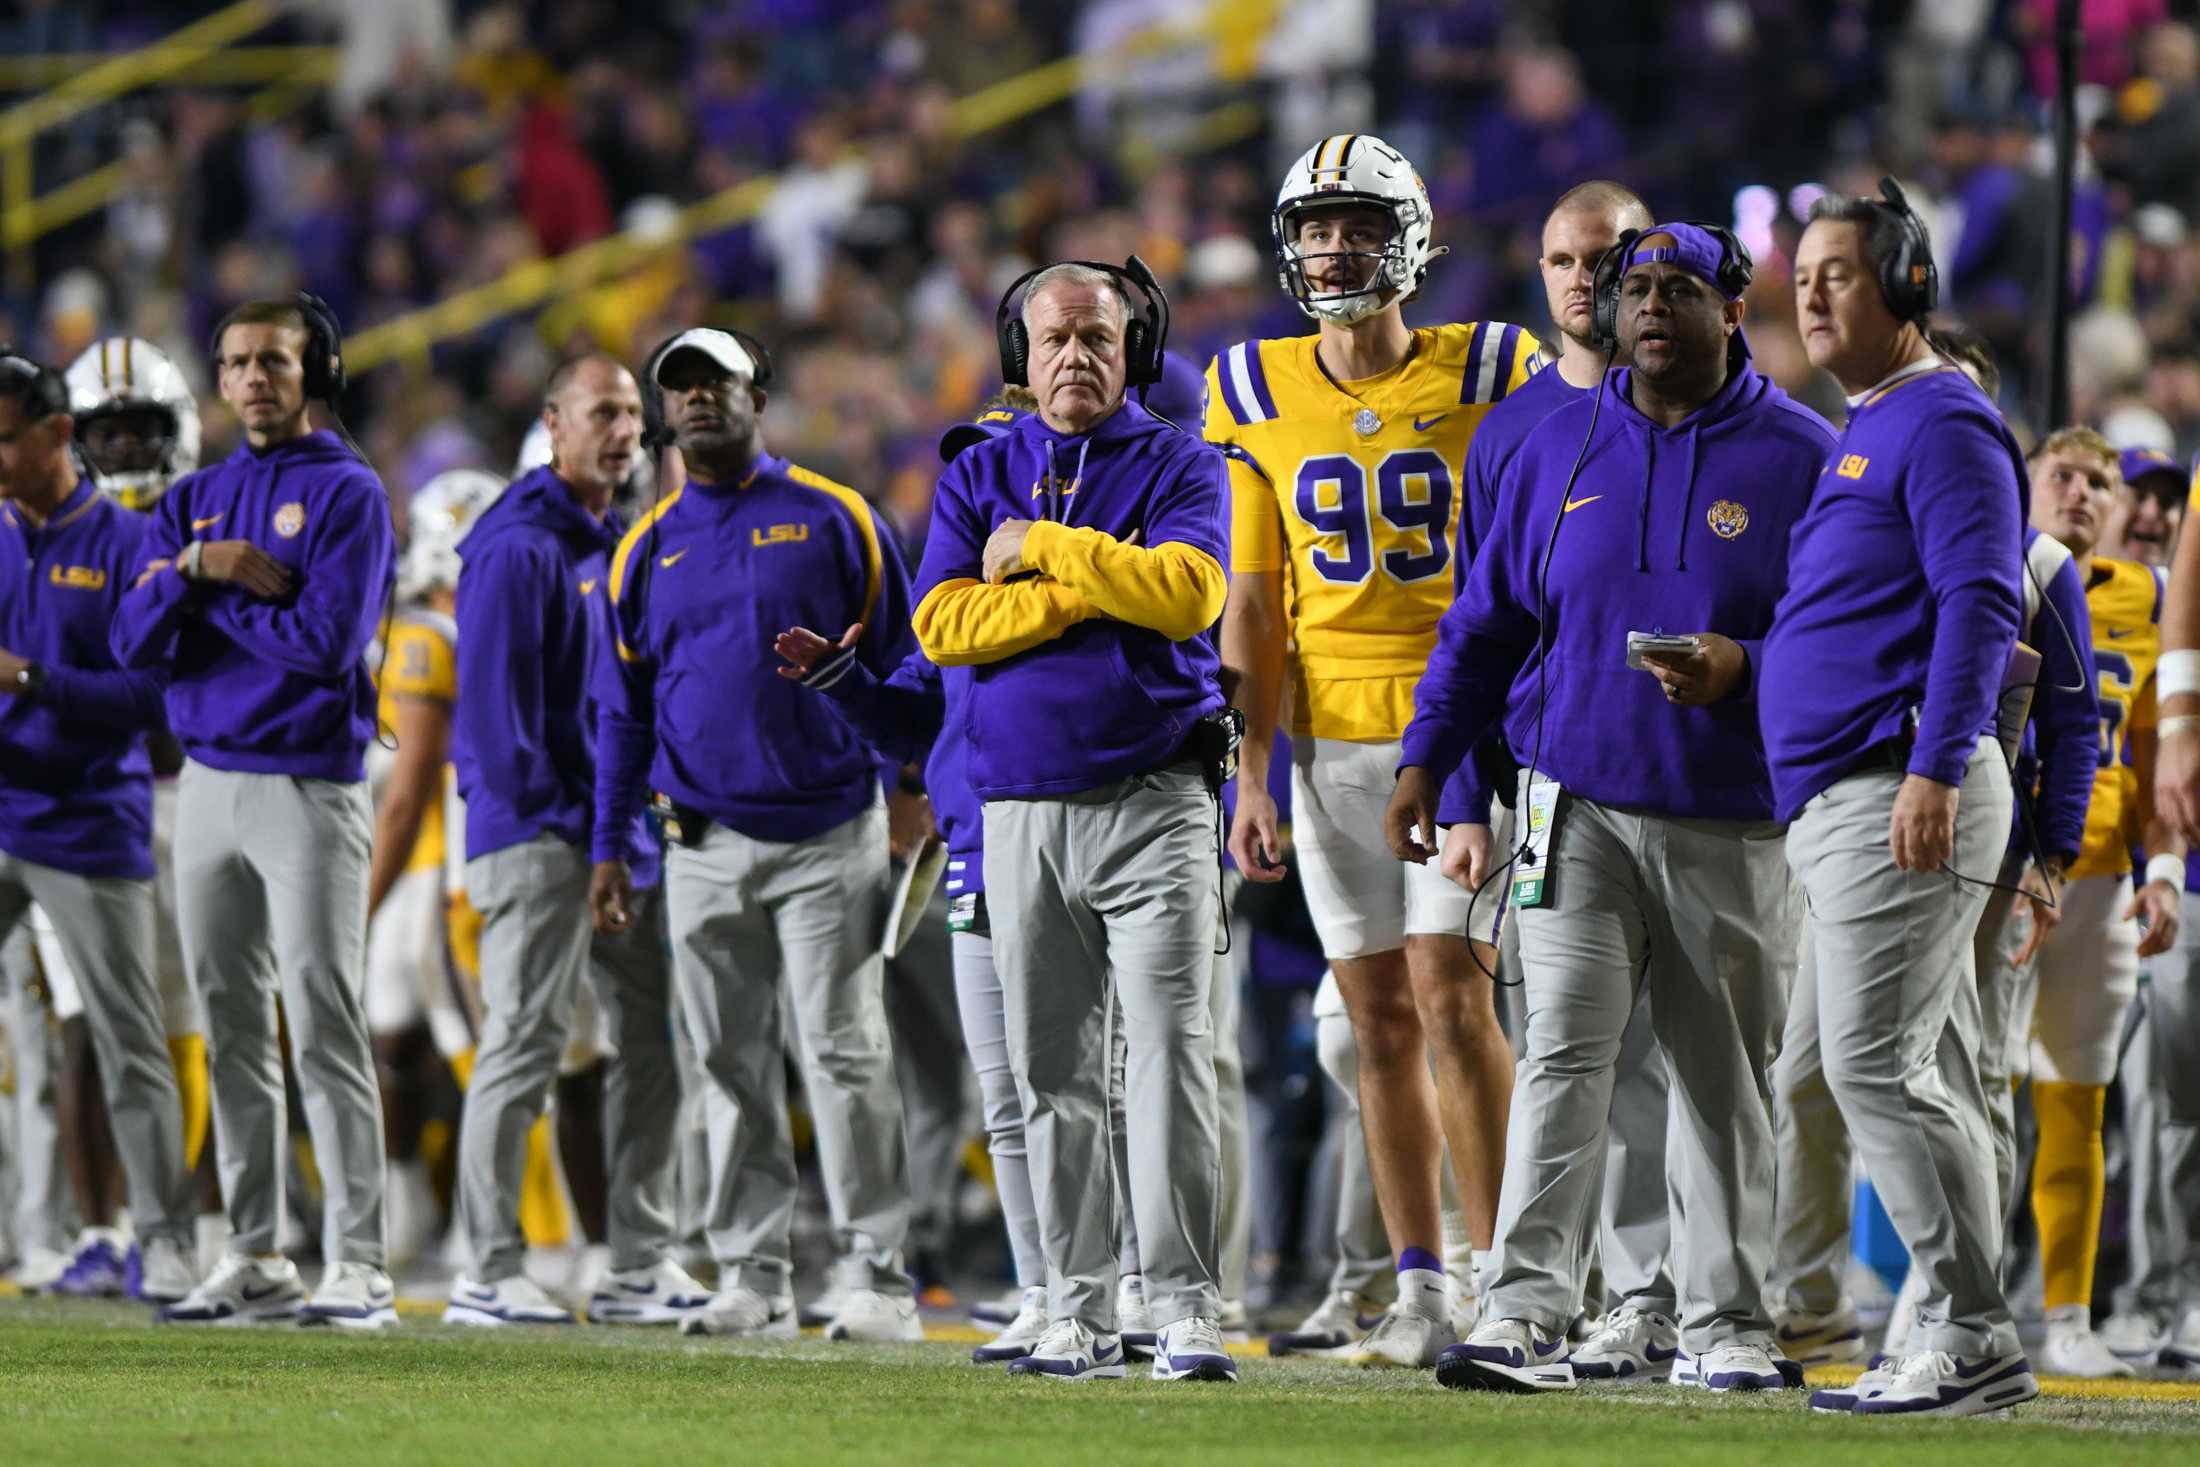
x=82, y=1384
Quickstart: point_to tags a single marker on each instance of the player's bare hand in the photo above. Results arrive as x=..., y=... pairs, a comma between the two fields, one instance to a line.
x=2155, y=905
x=2039, y=898
x=1466, y=861
x=1004, y=550
x=2177, y=780
x=11, y=667
x=1922, y=829
x=1409, y=823
x=611, y=896
x=1254, y=843
x=246, y=566
x=1701, y=677
x=908, y=823
x=803, y=649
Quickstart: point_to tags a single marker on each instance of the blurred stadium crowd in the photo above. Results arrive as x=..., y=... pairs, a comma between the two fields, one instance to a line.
x=468, y=139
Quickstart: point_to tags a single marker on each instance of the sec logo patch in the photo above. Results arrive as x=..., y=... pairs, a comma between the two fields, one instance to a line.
x=290, y=519
x=1727, y=519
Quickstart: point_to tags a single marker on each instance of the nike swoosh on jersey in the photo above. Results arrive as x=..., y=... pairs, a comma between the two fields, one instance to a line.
x=1422, y=425
x=212, y=519
x=588, y=586
x=1574, y=504
x=669, y=559
x=2118, y=636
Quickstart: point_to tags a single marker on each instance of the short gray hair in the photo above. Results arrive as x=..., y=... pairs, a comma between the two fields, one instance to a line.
x=1070, y=273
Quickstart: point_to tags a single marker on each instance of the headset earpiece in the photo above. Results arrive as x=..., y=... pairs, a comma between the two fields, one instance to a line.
x=655, y=433
x=1604, y=290
x=49, y=392
x=1909, y=280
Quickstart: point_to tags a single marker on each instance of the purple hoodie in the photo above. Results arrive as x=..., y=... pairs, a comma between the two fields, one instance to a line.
x=268, y=687
x=1671, y=530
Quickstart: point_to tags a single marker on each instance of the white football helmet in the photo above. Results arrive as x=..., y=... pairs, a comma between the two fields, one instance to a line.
x=1355, y=168
x=440, y=514
x=534, y=449
x=136, y=420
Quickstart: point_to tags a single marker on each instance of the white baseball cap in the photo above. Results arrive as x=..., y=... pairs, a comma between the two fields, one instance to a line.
x=719, y=346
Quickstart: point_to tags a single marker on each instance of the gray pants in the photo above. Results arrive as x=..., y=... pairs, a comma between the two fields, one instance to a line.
x=1236, y=1220
x=271, y=901
x=985, y=1036
x=1812, y=1195
x=1892, y=986
x=536, y=939
x=1105, y=901
x=106, y=929
x=2161, y=1080
x=40, y=1207
x=752, y=919
x=1636, y=1240
x=1700, y=914
x=931, y=1073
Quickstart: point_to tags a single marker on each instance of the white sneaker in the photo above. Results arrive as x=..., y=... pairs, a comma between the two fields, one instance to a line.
x=1410, y=1341
x=1132, y=1321
x=1831, y=1399
x=516, y=1300
x=1001, y=1309
x=164, y=1275
x=38, y=1268
x=1236, y=1325
x=663, y=1293
x=352, y=1296
x=1629, y=1346
x=743, y=1312
x=2071, y=1347
x=1340, y=1319
x=1192, y=1349
x=1023, y=1333
x=2180, y=1358
x=1507, y=1355
x=1935, y=1383
x=869, y=1317
x=1462, y=1304
x=2133, y=1335
x=1738, y=1365
x=826, y=1307
x=241, y=1290
x=1821, y=1339
x=1070, y=1351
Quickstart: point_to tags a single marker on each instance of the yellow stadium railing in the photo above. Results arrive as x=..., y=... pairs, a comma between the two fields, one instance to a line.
x=412, y=336
x=93, y=86
x=239, y=66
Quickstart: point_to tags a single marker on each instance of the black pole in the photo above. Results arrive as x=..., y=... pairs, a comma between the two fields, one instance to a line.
x=2066, y=168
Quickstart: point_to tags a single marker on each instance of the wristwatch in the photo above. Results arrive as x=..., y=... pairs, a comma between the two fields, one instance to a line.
x=29, y=678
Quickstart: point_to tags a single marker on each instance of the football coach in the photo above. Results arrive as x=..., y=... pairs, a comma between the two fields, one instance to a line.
x=1076, y=564
x=1878, y=698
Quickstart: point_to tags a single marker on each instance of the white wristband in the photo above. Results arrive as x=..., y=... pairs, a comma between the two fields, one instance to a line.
x=188, y=562
x=2177, y=672
x=2166, y=868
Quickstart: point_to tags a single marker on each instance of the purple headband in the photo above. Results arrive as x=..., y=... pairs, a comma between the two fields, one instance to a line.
x=1693, y=249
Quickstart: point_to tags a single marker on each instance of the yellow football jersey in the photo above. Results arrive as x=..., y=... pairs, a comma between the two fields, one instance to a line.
x=1351, y=489
x=2124, y=600
x=422, y=662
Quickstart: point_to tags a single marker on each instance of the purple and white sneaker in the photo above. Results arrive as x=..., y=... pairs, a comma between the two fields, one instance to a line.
x=1935, y=1383
x=1070, y=1351
x=1507, y=1355
x=99, y=1269
x=1630, y=1346
x=1192, y=1349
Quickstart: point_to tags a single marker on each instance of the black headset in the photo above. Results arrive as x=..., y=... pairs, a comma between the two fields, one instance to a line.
x=656, y=431
x=323, y=362
x=1908, y=278
x=1145, y=337
x=1736, y=270
x=48, y=393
